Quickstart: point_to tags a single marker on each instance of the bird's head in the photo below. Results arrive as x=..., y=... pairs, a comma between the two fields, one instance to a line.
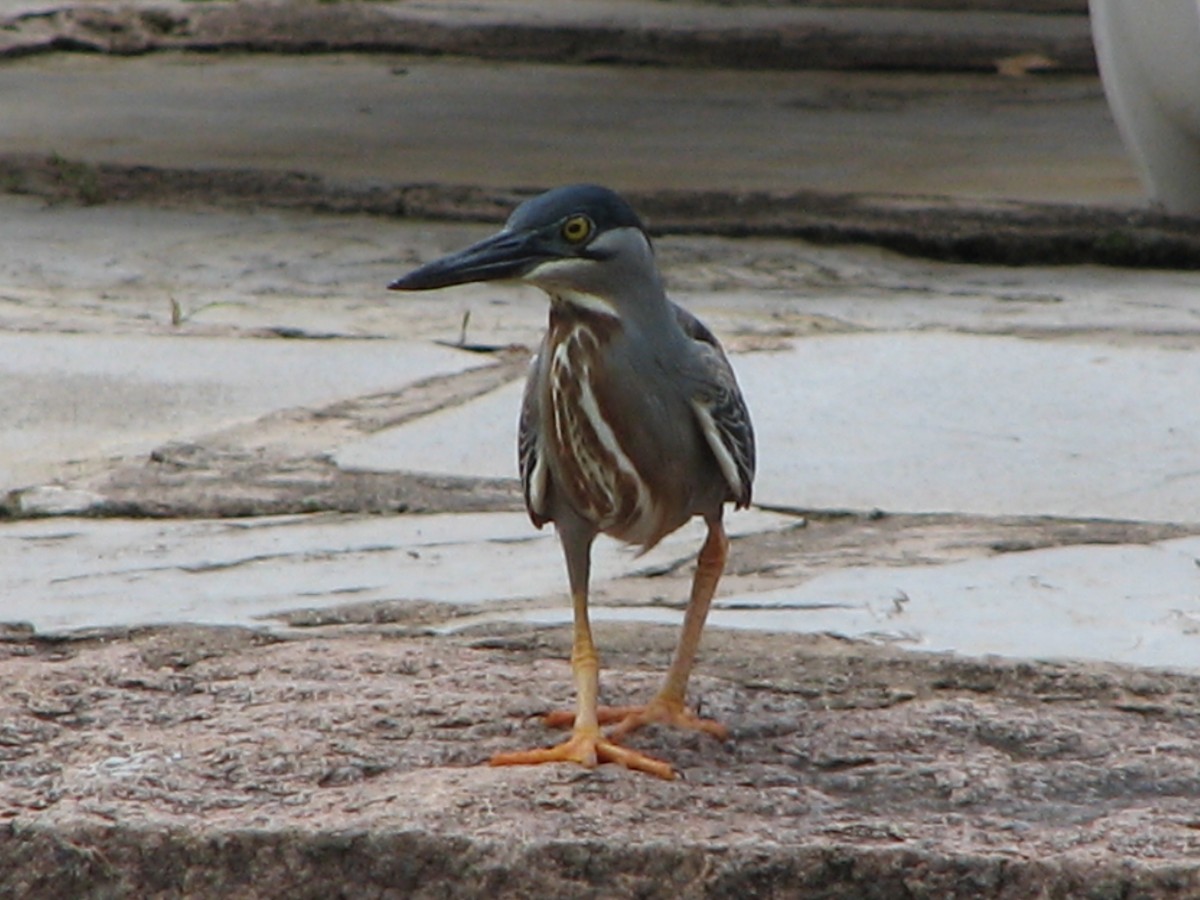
x=581, y=244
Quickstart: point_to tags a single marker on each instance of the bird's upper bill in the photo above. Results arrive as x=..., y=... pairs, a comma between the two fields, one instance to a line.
x=560, y=224
x=507, y=255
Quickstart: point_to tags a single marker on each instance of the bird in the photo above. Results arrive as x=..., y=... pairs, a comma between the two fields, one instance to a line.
x=632, y=423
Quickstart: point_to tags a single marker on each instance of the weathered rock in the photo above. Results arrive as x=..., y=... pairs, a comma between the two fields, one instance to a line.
x=203, y=762
x=679, y=34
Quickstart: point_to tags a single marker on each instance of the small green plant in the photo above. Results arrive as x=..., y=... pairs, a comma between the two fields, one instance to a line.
x=12, y=182
x=76, y=181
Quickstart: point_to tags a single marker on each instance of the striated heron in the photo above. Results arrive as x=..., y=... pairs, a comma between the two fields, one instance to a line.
x=632, y=423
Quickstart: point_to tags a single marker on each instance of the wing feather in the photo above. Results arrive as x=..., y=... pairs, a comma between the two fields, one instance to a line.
x=534, y=480
x=721, y=410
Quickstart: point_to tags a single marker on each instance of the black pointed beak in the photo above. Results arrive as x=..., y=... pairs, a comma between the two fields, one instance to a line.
x=506, y=255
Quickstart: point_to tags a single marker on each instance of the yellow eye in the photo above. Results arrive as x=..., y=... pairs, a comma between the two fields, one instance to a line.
x=577, y=229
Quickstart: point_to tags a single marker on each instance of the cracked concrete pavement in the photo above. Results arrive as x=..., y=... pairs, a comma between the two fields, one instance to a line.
x=245, y=489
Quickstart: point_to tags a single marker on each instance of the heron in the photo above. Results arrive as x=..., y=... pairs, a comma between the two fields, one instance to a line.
x=632, y=423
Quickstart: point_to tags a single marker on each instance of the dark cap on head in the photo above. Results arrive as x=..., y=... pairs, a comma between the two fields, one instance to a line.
x=559, y=224
x=606, y=208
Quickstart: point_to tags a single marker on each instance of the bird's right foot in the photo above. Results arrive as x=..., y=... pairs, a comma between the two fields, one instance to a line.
x=628, y=719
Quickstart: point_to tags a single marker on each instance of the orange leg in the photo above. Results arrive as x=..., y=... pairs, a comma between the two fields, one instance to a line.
x=586, y=746
x=669, y=707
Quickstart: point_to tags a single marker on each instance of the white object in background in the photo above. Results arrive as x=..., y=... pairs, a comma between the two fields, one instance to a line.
x=1149, y=55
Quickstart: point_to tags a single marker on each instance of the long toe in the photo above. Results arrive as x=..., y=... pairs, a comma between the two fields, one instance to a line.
x=587, y=749
x=628, y=719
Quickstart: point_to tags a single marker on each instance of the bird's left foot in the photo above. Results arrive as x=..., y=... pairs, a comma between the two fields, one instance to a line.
x=588, y=748
x=628, y=719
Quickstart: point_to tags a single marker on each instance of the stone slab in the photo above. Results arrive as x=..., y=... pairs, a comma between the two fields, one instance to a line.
x=395, y=119
x=686, y=34
x=1137, y=605
x=212, y=762
x=61, y=574
x=918, y=422
x=477, y=438
x=85, y=396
